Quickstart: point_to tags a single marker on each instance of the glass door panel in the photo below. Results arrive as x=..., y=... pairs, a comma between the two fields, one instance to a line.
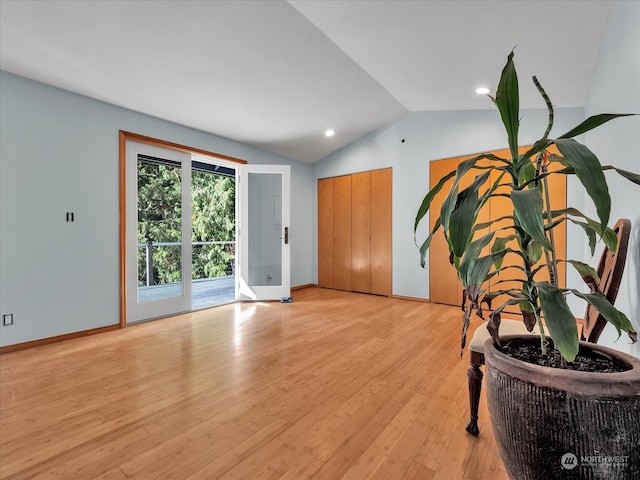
x=159, y=229
x=213, y=215
x=264, y=232
x=158, y=220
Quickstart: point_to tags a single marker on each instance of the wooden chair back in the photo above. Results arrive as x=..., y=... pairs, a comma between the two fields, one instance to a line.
x=610, y=269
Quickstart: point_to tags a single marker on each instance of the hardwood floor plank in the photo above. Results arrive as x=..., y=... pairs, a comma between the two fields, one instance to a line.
x=333, y=386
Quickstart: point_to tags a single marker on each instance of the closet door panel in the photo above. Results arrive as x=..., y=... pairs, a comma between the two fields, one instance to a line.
x=342, y=232
x=381, y=231
x=444, y=286
x=325, y=233
x=361, y=232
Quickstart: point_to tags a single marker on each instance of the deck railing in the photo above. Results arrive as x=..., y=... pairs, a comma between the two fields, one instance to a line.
x=149, y=245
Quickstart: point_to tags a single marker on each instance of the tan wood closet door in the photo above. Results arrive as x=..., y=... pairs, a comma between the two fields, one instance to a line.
x=342, y=232
x=444, y=286
x=381, y=231
x=325, y=233
x=361, y=232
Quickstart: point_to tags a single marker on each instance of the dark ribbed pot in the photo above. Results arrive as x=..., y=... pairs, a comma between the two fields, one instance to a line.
x=551, y=423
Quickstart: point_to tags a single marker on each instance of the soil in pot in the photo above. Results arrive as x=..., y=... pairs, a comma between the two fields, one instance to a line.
x=585, y=361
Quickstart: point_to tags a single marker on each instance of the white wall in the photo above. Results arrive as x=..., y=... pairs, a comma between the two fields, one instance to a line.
x=616, y=88
x=59, y=153
x=427, y=136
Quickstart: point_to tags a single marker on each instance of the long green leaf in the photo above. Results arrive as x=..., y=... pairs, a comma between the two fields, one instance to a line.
x=593, y=122
x=608, y=236
x=527, y=206
x=464, y=215
x=587, y=272
x=426, y=202
x=589, y=172
x=559, y=320
x=537, y=147
x=590, y=232
x=634, y=177
x=450, y=202
x=499, y=245
x=608, y=311
x=508, y=102
x=425, y=245
x=472, y=253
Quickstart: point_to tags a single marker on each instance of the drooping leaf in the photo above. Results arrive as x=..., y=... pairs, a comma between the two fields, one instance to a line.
x=489, y=193
x=494, y=326
x=450, y=201
x=425, y=245
x=634, y=177
x=463, y=215
x=471, y=254
x=461, y=221
x=608, y=236
x=608, y=311
x=591, y=234
x=465, y=326
x=592, y=122
x=528, y=209
x=588, y=274
x=426, y=202
x=499, y=245
x=559, y=320
x=589, y=172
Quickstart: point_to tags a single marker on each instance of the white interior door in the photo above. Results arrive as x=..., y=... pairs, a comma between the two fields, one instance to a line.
x=264, y=234
x=158, y=232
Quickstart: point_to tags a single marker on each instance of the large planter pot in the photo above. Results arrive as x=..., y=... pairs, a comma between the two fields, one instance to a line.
x=551, y=423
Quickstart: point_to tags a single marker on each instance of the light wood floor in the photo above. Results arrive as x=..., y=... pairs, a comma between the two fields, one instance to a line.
x=333, y=386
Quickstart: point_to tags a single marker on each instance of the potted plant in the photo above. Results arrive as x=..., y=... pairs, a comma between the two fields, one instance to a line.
x=560, y=419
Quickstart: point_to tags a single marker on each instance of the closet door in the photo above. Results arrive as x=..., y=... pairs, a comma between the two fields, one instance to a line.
x=444, y=286
x=342, y=232
x=325, y=233
x=361, y=232
x=381, y=231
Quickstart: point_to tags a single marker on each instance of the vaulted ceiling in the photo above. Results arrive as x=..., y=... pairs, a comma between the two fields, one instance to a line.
x=276, y=74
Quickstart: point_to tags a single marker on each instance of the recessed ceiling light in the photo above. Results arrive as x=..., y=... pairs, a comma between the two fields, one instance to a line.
x=482, y=90
x=329, y=133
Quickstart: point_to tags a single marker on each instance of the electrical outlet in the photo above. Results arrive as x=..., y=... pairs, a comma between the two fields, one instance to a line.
x=7, y=319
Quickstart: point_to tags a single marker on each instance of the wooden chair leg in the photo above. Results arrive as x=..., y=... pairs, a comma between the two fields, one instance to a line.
x=475, y=386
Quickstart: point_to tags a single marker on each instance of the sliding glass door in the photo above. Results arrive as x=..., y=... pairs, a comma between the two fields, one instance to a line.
x=181, y=234
x=158, y=232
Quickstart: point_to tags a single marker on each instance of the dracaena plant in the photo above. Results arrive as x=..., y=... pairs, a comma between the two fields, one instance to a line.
x=527, y=234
